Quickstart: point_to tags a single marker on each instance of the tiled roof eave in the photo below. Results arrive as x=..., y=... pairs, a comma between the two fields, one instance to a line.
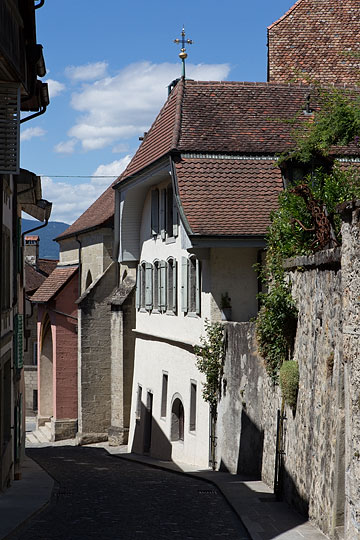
x=161, y=161
x=107, y=222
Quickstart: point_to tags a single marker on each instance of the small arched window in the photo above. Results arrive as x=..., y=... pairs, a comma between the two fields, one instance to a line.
x=177, y=421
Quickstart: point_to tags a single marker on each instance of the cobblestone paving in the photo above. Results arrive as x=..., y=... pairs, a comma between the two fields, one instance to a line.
x=101, y=497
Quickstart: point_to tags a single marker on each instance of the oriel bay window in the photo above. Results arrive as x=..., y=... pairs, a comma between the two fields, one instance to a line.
x=164, y=215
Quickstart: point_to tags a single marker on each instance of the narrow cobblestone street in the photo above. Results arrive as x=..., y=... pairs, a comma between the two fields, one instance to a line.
x=97, y=496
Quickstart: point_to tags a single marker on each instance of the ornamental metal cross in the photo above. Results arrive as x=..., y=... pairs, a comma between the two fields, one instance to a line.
x=183, y=53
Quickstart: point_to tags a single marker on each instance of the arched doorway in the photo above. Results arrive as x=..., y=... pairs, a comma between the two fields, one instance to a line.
x=46, y=389
x=177, y=421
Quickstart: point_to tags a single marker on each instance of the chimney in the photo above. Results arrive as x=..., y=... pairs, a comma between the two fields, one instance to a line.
x=31, y=249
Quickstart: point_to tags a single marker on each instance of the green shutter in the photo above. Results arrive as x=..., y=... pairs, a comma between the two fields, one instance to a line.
x=155, y=212
x=174, y=295
x=18, y=341
x=163, y=214
x=138, y=285
x=148, y=286
x=184, y=284
x=175, y=219
x=198, y=288
x=162, y=280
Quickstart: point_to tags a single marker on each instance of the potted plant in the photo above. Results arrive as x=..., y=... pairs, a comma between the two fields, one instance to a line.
x=225, y=307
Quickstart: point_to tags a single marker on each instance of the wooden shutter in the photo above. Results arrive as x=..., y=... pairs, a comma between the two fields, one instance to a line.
x=155, y=212
x=198, y=288
x=148, y=286
x=138, y=286
x=163, y=214
x=9, y=128
x=162, y=280
x=175, y=219
x=174, y=291
x=184, y=284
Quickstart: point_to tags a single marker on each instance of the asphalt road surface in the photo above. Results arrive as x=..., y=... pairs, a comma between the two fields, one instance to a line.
x=102, y=497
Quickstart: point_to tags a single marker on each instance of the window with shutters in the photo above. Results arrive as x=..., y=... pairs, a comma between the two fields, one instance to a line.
x=156, y=287
x=190, y=286
x=144, y=287
x=164, y=215
x=171, y=285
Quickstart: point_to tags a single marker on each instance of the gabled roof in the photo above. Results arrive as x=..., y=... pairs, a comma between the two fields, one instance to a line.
x=54, y=283
x=285, y=14
x=99, y=214
x=222, y=117
x=36, y=275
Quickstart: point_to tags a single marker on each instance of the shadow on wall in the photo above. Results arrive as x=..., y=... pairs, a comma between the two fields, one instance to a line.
x=250, y=449
x=149, y=438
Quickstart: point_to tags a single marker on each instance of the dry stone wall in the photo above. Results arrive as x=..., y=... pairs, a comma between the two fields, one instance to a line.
x=312, y=475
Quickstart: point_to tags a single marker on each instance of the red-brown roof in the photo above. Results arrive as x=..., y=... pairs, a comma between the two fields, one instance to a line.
x=316, y=38
x=100, y=213
x=52, y=285
x=228, y=196
x=36, y=275
x=225, y=117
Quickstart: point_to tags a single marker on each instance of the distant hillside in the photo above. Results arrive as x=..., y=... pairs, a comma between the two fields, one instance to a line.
x=48, y=248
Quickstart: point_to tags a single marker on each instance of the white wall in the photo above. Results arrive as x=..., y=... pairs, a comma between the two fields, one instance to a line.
x=152, y=359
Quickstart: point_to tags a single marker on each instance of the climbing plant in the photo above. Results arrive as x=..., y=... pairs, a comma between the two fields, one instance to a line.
x=291, y=232
x=210, y=356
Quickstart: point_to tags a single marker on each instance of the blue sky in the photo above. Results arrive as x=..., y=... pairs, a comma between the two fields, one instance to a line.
x=108, y=67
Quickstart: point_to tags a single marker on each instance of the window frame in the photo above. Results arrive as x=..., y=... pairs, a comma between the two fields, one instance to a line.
x=171, y=286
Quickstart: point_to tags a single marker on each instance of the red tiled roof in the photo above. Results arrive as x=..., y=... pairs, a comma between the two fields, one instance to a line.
x=52, y=285
x=47, y=265
x=316, y=38
x=239, y=117
x=33, y=278
x=100, y=213
x=228, y=196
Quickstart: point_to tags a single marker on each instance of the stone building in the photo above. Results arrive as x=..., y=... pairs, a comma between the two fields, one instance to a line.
x=36, y=270
x=20, y=90
x=193, y=208
x=103, y=348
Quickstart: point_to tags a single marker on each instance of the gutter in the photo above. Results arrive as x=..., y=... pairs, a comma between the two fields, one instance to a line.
x=175, y=185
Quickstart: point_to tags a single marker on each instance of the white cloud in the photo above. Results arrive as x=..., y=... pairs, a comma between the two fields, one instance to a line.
x=65, y=147
x=87, y=72
x=71, y=199
x=115, y=168
x=31, y=132
x=55, y=87
x=117, y=108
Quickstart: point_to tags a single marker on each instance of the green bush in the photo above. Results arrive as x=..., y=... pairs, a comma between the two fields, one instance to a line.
x=289, y=382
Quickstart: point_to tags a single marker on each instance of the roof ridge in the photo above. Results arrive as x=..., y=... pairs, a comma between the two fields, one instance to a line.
x=178, y=114
x=285, y=14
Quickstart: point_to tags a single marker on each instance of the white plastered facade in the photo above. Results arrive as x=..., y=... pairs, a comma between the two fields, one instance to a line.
x=164, y=341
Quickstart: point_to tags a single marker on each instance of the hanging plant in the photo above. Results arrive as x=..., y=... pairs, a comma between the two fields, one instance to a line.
x=289, y=382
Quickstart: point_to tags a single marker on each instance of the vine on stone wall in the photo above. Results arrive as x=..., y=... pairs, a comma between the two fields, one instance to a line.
x=292, y=229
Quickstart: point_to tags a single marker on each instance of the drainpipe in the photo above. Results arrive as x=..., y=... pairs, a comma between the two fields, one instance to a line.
x=40, y=4
x=80, y=264
x=35, y=115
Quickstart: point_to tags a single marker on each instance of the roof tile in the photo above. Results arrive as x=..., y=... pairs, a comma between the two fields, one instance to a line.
x=52, y=285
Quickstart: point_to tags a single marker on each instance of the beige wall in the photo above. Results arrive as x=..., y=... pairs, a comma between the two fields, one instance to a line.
x=96, y=252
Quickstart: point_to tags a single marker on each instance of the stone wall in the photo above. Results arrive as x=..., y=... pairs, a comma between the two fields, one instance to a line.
x=351, y=355
x=312, y=473
x=94, y=358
